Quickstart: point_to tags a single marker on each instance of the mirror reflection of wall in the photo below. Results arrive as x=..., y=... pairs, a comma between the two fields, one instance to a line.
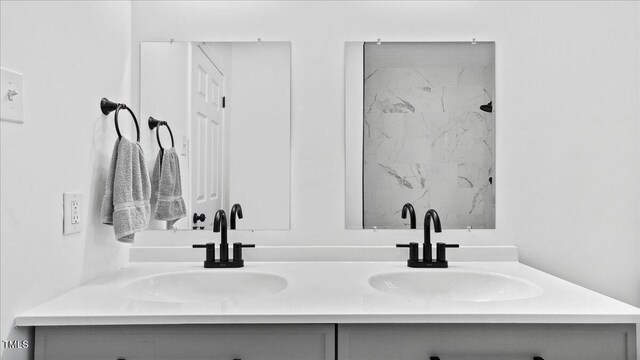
x=228, y=106
x=420, y=130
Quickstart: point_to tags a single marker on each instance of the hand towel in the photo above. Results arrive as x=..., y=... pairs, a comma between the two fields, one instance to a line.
x=125, y=204
x=166, y=188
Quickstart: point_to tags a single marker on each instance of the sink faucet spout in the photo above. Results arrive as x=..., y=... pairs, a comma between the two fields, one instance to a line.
x=412, y=214
x=437, y=227
x=236, y=210
x=220, y=225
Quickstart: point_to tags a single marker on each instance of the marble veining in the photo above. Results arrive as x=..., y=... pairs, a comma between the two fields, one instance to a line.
x=426, y=141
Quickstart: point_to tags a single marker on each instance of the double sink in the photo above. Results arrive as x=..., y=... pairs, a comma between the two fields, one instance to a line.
x=436, y=284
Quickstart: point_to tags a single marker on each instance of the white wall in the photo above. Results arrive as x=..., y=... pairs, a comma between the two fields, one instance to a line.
x=71, y=54
x=260, y=133
x=567, y=124
x=354, y=123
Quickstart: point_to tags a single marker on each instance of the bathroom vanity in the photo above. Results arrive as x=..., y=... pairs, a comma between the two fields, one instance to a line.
x=312, y=310
x=342, y=341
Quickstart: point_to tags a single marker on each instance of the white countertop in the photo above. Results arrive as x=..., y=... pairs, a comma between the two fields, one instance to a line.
x=326, y=292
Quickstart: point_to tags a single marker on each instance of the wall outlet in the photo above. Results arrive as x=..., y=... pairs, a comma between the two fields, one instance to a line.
x=72, y=214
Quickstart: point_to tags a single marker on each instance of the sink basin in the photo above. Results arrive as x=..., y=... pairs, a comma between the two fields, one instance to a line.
x=202, y=286
x=455, y=285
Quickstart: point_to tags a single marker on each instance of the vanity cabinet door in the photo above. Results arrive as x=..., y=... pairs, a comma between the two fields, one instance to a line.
x=186, y=342
x=486, y=342
x=90, y=345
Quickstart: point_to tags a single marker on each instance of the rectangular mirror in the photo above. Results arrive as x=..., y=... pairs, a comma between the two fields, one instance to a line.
x=420, y=129
x=228, y=107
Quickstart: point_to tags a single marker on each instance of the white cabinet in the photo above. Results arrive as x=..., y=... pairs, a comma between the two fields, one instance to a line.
x=486, y=341
x=354, y=342
x=186, y=342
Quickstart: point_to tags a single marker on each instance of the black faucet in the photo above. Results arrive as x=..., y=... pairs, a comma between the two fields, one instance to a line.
x=412, y=214
x=426, y=247
x=236, y=209
x=220, y=225
x=220, y=221
x=427, y=256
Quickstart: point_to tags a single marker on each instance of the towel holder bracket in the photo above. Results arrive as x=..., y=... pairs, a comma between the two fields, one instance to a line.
x=155, y=123
x=107, y=106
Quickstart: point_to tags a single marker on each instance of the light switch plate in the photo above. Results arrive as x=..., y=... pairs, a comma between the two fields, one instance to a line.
x=72, y=218
x=12, y=95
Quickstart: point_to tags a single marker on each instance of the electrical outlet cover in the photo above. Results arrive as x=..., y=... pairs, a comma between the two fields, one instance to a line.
x=72, y=214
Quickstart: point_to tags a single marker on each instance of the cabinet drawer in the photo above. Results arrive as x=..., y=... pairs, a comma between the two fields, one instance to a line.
x=486, y=341
x=224, y=342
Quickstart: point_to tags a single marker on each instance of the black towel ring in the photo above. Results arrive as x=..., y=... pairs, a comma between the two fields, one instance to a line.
x=154, y=123
x=108, y=106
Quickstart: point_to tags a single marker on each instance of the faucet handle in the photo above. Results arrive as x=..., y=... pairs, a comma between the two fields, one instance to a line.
x=237, y=250
x=211, y=250
x=413, y=250
x=441, y=251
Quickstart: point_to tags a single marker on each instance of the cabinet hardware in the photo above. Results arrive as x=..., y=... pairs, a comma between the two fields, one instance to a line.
x=197, y=218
